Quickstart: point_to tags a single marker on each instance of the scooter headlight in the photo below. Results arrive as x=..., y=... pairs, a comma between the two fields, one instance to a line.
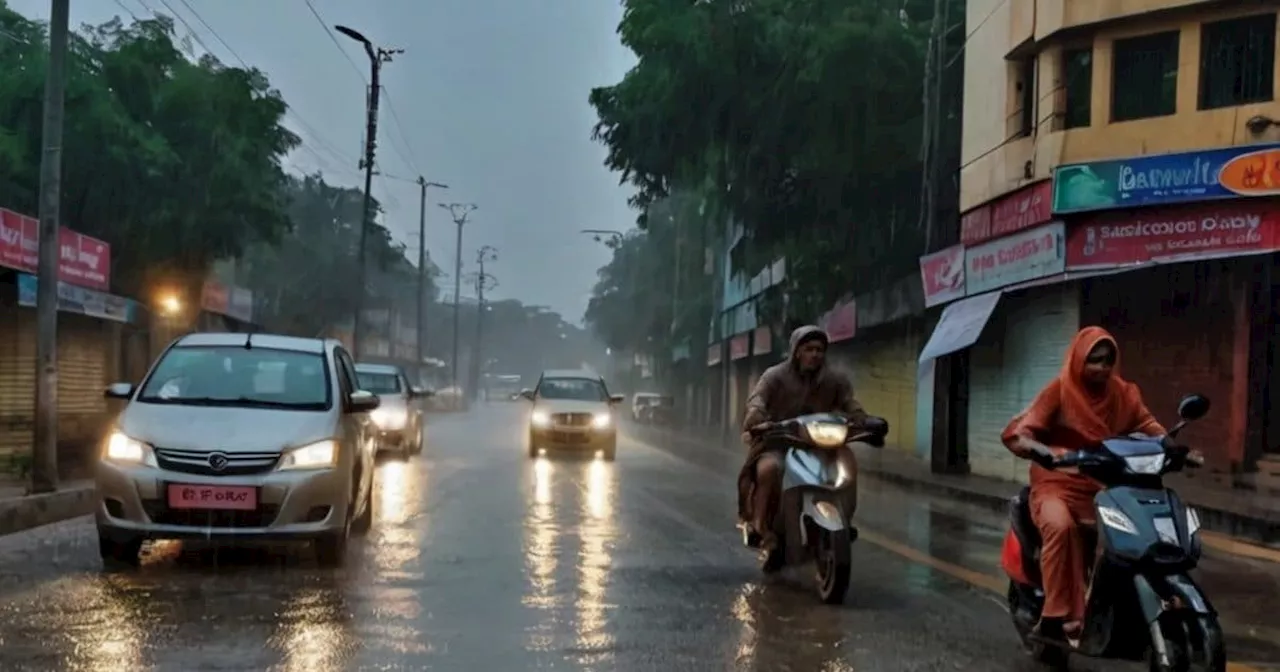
x=1116, y=520
x=1147, y=465
x=827, y=434
x=1193, y=521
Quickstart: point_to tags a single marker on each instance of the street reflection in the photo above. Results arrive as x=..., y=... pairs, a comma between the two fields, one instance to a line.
x=540, y=547
x=597, y=531
x=113, y=637
x=315, y=632
x=743, y=613
x=780, y=629
x=392, y=483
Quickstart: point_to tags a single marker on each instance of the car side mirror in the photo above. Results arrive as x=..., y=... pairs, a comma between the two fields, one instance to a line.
x=526, y=394
x=118, y=391
x=362, y=401
x=617, y=398
x=1193, y=407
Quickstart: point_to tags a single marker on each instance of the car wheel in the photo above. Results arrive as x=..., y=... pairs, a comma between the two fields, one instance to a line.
x=610, y=452
x=364, y=522
x=119, y=554
x=533, y=447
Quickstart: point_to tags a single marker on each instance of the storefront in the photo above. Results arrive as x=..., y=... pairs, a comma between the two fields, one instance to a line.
x=884, y=377
x=715, y=414
x=740, y=377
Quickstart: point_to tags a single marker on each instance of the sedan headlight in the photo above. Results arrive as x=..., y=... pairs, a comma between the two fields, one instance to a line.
x=601, y=420
x=390, y=418
x=319, y=455
x=122, y=448
x=540, y=419
x=827, y=434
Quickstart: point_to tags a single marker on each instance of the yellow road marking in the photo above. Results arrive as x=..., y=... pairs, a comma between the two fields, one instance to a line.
x=974, y=578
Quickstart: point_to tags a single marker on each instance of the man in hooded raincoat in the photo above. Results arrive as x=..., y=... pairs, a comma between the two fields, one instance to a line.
x=801, y=384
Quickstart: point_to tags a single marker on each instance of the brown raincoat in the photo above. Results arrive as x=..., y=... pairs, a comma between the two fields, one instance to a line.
x=783, y=392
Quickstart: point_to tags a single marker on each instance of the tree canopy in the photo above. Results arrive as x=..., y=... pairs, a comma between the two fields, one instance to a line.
x=798, y=119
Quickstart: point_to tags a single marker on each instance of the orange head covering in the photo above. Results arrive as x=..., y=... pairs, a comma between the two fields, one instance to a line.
x=1094, y=414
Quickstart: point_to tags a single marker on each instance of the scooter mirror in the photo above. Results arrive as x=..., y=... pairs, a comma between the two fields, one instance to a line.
x=1193, y=407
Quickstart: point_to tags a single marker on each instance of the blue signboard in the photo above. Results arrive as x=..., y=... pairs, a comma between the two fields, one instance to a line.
x=1230, y=172
x=79, y=300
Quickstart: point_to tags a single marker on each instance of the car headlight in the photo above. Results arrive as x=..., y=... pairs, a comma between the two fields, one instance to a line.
x=827, y=434
x=601, y=420
x=319, y=455
x=122, y=448
x=390, y=418
x=540, y=419
x=1115, y=519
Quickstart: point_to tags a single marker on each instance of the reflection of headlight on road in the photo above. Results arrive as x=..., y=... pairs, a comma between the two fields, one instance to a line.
x=318, y=455
x=601, y=420
x=121, y=448
x=540, y=419
x=390, y=418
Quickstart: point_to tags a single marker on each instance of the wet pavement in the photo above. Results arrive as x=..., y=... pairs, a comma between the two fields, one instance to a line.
x=483, y=560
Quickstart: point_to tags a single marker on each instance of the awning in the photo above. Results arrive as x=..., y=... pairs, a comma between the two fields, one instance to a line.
x=960, y=325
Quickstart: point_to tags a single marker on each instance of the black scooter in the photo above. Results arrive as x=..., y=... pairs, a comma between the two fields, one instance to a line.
x=815, y=514
x=1141, y=603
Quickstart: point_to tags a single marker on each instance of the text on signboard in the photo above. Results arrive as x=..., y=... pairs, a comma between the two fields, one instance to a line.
x=1012, y=254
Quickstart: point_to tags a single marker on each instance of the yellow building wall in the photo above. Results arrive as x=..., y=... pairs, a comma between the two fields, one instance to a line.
x=994, y=163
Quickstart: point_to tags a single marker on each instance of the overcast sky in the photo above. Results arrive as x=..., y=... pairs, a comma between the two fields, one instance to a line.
x=491, y=99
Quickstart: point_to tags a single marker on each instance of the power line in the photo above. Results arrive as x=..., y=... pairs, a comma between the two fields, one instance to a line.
x=328, y=31
x=404, y=139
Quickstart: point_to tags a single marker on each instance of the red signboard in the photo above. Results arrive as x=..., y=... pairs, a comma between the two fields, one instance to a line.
x=1020, y=210
x=841, y=322
x=1169, y=234
x=739, y=346
x=942, y=274
x=82, y=260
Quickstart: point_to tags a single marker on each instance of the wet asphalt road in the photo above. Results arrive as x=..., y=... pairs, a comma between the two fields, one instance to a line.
x=484, y=561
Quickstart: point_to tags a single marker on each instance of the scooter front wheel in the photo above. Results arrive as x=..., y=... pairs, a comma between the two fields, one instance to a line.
x=1195, y=644
x=835, y=564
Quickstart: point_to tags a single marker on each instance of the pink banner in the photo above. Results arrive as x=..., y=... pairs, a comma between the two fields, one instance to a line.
x=942, y=274
x=841, y=322
x=82, y=260
x=1012, y=213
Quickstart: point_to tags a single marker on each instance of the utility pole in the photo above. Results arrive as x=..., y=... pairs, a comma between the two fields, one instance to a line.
x=377, y=56
x=44, y=458
x=422, y=267
x=485, y=253
x=459, y=212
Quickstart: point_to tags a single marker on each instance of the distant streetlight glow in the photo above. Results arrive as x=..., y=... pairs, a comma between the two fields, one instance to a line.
x=170, y=305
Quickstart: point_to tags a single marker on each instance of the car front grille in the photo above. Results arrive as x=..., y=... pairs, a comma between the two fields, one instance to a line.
x=161, y=514
x=204, y=463
x=571, y=419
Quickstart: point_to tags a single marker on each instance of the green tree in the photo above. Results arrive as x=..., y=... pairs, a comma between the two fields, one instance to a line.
x=802, y=118
x=176, y=163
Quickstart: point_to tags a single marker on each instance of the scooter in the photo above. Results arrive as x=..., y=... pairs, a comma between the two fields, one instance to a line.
x=1141, y=603
x=814, y=519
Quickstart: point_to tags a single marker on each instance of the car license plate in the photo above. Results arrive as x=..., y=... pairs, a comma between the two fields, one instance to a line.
x=215, y=497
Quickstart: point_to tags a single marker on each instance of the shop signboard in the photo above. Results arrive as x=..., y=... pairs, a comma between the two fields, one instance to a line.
x=1161, y=179
x=1153, y=235
x=739, y=346
x=1014, y=212
x=78, y=300
x=82, y=260
x=841, y=322
x=1031, y=254
x=942, y=275
x=762, y=341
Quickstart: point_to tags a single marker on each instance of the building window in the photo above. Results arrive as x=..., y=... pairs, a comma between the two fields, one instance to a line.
x=1237, y=61
x=1077, y=86
x=1144, y=80
x=1026, y=87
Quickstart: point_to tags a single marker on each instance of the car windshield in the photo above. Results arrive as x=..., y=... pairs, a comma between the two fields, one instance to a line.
x=379, y=383
x=237, y=376
x=576, y=389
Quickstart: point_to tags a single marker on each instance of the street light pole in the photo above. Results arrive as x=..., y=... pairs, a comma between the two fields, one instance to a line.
x=422, y=266
x=377, y=56
x=459, y=212
x=44, y=449
x=484, y=254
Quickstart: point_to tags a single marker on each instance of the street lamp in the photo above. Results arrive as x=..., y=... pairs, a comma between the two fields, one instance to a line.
x=377, y=56
x=170, y=305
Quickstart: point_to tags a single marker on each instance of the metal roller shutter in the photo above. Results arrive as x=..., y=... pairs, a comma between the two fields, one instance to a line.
x=884, y=379
x=17, y=378
x=1020, y=351
x=82, y=365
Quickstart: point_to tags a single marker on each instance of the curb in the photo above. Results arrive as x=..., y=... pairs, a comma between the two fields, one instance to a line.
x=23, y=513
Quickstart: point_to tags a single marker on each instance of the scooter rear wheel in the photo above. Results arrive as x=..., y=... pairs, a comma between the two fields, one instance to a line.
x=835, y=564
x=1024, y=623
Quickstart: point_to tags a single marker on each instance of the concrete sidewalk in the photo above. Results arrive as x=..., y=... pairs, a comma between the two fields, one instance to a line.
x=20, y=511
x=1241, y=514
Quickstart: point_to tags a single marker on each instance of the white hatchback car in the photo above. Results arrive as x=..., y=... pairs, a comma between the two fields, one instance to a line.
x=235, y=435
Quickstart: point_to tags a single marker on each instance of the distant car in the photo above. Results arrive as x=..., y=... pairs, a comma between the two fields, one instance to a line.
x=399, y=417
x=239, y=435
x=572, y=411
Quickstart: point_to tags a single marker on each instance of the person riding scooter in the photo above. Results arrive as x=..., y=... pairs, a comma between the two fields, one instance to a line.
x=1086, y=403
x=801, y=384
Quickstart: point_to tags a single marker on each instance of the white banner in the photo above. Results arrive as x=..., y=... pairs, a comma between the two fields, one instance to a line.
x=1023, y=256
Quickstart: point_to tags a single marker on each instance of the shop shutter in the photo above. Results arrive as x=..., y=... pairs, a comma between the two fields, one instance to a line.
x=17, y=376
x=1020, y=351
x=884, y=379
